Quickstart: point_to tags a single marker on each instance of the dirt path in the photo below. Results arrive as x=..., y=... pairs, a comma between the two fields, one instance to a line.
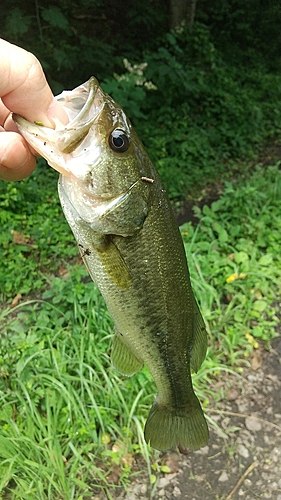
x=243, y=461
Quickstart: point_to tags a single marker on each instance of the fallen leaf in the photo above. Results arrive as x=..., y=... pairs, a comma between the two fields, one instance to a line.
x=128, y=460
x=231, y=278
x=117, y=446
x=236, y=276
x=19, y=238
x=252, y=340
x=16, y=300
x=172, y=464
x=63, y=272
x=126, y=457
x=114, y=476
x=256, y=361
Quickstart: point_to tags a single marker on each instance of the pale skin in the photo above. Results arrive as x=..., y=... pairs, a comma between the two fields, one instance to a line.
x=25, y=91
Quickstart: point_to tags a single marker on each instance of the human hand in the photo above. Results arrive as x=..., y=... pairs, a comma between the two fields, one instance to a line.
x=25, y=91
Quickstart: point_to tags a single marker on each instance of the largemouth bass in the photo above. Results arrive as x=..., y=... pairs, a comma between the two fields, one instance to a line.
x=120, y=215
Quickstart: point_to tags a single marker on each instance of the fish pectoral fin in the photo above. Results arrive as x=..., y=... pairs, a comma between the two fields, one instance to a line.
x=113, y=263
x=199, y=348
x=122, y=357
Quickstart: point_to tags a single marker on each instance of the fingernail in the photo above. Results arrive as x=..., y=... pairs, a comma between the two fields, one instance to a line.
x=14, y=151
x=56, y=111
x=16, y=161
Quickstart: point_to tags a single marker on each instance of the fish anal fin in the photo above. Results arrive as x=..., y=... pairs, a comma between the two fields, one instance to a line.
x=122, y=357
x=199, y=348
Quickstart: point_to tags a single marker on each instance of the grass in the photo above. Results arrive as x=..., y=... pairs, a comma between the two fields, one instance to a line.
x=70, y=425
x=35, y=238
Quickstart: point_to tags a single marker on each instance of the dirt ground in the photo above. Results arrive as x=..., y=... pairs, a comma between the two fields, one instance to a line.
x=243, y=458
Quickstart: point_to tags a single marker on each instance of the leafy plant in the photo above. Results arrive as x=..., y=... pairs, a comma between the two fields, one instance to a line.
x=210, y=100
x=35, y=238
x=70, y=425
x=194, y=111
x=236, y=263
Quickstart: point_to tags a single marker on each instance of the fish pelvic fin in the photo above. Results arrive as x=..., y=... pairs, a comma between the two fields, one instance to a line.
x=168, y=427
x=122, y=357
x=200, y=341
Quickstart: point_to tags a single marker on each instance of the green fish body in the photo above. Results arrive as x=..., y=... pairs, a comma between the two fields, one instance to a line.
x=119, y=212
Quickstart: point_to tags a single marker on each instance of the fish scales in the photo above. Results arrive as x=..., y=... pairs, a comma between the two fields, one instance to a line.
x=126, y=232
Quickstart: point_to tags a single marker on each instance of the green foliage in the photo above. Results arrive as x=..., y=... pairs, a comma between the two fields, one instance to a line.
x=35, y=238
x=248, y=30
x=197, y=98
x=18, y=23
x=54, y=16
x=236, y=264
x=199, y=112
x=67, y=418
x=212, y=113
x=93, y=35
x=129, y=95
x=62, y=403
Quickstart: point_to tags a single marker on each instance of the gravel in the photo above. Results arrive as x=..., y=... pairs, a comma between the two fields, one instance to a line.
x=243, y=458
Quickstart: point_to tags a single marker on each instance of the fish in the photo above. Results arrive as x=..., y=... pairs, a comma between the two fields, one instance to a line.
x=129, y=240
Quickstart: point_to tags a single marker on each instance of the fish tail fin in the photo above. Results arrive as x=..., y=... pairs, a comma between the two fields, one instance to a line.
x=168, y=427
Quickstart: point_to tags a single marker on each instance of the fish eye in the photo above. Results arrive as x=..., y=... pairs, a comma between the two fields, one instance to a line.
x=118, y=141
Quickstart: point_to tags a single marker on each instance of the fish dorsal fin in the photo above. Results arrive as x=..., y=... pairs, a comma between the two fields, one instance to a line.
x=199, y=348
x=122, y=357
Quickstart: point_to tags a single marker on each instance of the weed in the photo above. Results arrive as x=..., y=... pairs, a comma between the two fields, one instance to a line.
x=35, y=239
x=69, y=423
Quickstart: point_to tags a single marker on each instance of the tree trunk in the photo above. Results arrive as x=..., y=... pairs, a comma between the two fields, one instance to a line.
x=182, y=11
x=191, y=8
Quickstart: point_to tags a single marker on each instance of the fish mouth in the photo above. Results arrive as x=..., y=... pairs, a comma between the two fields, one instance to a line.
x=66, y=149
x=83, y=106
